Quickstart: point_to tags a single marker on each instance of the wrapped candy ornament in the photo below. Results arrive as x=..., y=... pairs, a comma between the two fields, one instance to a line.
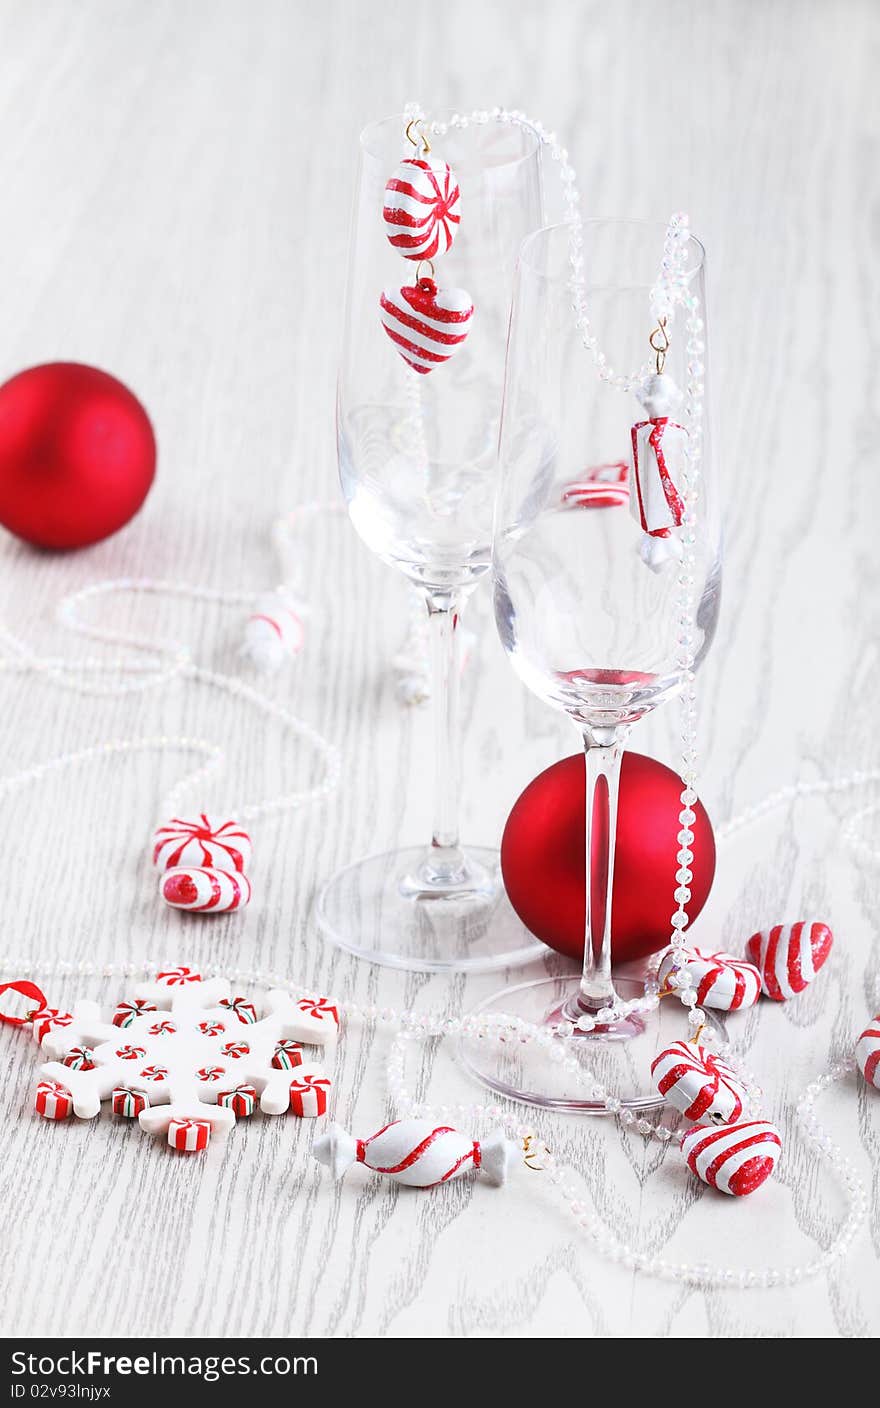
x=416, y=1152
x=274, y=632
x=422, y=207
x=697, y=1084
x=736, y=1158
x=215, y=843
x=189, y=1136
x=53, y=1101
x=789, y=956
x=658, y=453
x=720, y=981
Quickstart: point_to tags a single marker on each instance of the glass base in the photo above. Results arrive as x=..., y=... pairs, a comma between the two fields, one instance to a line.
x=402, y=910
x=619, y=1056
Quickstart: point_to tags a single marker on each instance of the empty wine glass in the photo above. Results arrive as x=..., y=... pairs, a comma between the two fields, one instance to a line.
x=600, y=536
x=417, y=461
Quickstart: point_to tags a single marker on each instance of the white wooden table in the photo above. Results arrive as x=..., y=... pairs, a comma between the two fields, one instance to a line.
x=176, y=184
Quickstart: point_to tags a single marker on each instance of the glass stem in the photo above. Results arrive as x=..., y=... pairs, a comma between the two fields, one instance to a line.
x=446, y=860
x=603, y=753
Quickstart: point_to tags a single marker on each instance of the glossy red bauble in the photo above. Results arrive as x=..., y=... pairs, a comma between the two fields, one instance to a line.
x=77, y=455
x=543, y=861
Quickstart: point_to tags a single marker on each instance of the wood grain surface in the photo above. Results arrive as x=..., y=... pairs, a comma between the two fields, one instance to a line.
x=176, y=187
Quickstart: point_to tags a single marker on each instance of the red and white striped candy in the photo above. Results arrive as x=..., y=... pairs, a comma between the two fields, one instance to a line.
x=235, y=1050
x=47, y=1019
x=211, y=1028
x=210, y=1073
x=242, y=1101
x=53, y=1101
x=868, y=1053
x=603, y=486
x=416, y=1152
x=427, y=325
x=178, y=977
x=422, y=207
x=273, y=633
x=128, y=1103
x=735, y=1158
x=127, y=1011
x=154, y=1073
x=189, y=1136
x=163, y=1028
x=245, y=1011
x=721, y=981
x=287, y=1056
x=215, y=842
x=79, y=1058
x=308, y=1095
x=698, y=1084
x=131, y=1053
x=203, y=891
x=789, y=956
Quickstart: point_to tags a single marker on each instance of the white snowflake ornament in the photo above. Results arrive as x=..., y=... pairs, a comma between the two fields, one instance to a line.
x=187, y=1049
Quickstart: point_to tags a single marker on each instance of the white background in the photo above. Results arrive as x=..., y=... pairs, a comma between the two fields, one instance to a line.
x=176, y=181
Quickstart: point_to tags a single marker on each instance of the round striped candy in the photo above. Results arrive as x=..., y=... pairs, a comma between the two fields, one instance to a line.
x=79, y=1058
x=128, y=1103
x=735, y=1158
x=422, y=207
x=242, y=1101
x=701, y=1086
x=427, y=325
x=721, y=981
x=127, y=1011
x=868, y=1053
x=287, y=1055
x=204, y=891
x=53, y=1100
x=789, y=956
x=235, y=1049
x=245, y=1011
x=221, y=844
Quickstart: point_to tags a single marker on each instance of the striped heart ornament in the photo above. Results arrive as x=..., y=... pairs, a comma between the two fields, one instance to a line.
x=427, y=325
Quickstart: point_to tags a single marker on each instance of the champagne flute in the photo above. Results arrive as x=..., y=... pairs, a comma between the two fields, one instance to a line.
x=417, y=462
x=588, y=603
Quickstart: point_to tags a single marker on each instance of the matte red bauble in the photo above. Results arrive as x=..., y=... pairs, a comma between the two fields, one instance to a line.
x=77, y=455
x=543, y=861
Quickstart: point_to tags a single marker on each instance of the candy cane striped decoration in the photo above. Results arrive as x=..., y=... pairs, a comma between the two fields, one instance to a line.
x=273, y=633
x=178, y=977
x=701, y=1086
x=128, y=1103
x=189, y=1136
x=422, y=208
x=736, y=1158
x=202, y=841
x=789, y=956
x=427, y=325
x=203, y=891
x=53, y=1101
x=245, y=1011
x=79, y=1058
x=603, y=486
x=242, y=1101
x=127, y=1011
x=416, y=1152
x=868, y=1053
x=721, y=981
x=308, y=1095
x=46, y=1020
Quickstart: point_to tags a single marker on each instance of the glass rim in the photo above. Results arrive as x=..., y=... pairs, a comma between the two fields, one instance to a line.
x=593, y=222
x=441, y=115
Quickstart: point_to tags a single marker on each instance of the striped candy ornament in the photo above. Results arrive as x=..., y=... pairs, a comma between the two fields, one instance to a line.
x=868, y=1053
x=735, y=1158
x=162, y=1029
x=154, y=1073
x=127, y=1011
x=79, y=1058
x=208, y=1074
x=235, y=1050
x=308, y=1095
x=422, y=207
x=178, y=977
x=273, y=632
x=287, y=1056
x=131, y=1053
x=189, y=1136
x=427, y=325
x=128, y=1103
x=789, y=956
x=204, y=891
x=242, y=1101
x=699, y=1085
x=46, y=1020
x=603, y=486
x=245, y=1011
x=211, y=1028
x=416, y=1152
x=721, y=981
x=52, y=1100
x=202, y=841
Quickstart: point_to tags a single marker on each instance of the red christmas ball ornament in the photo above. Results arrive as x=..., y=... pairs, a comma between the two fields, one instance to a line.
x=77, y=455
x=544, y=867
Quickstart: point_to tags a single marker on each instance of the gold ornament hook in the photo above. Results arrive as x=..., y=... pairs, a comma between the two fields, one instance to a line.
x=420, y=139
x=534, y=1152
x=420, y=266
x=659, y=341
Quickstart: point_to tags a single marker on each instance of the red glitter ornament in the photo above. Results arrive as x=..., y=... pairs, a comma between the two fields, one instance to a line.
x=77, y=455
x=543, y=860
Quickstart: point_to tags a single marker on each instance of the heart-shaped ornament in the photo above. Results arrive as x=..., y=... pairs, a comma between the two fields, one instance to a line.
x=426, y=324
